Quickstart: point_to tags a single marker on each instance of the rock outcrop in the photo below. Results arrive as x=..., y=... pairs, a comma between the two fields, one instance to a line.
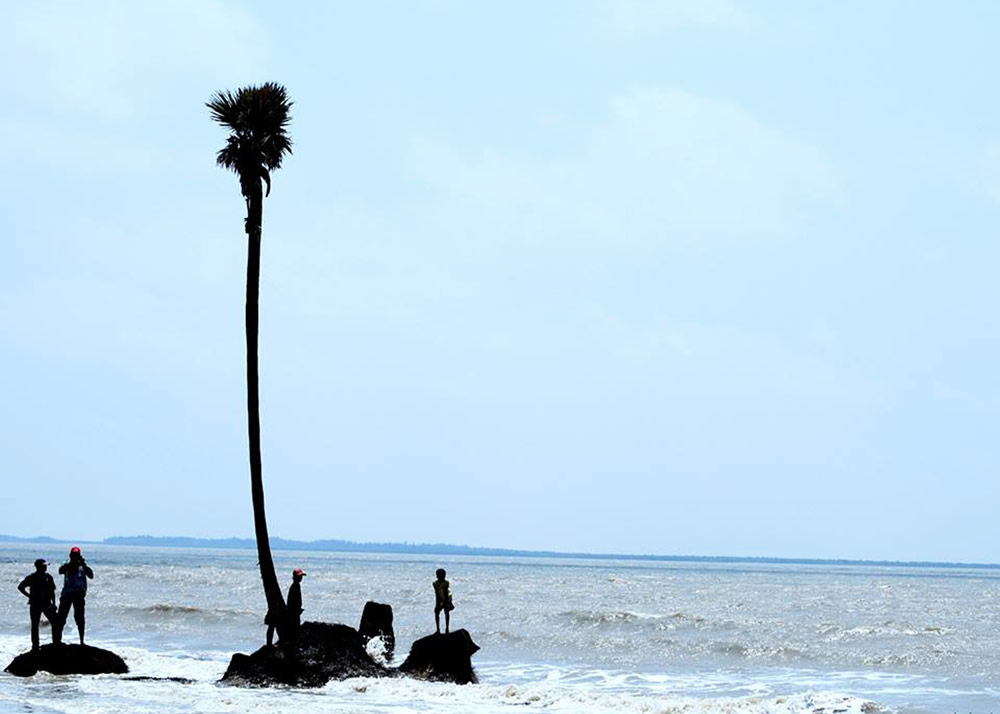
x=323, y=652
x=67, y=659
x=376, y=621
x=440, y=657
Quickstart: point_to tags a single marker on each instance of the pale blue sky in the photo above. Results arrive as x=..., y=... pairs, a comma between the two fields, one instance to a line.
x=695, y=277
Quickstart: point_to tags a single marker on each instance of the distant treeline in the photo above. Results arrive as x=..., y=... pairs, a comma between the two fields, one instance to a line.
x=341, y=546
x=348, y=546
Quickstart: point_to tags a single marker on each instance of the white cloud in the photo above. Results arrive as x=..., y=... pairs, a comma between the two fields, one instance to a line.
x=112, y=88
x=108, y=59
x=71, y=150
x=664, y=165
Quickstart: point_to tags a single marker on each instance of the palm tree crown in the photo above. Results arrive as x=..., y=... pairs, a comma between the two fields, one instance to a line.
x=258, y=118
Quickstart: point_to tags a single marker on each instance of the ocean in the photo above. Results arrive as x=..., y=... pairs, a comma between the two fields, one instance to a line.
x=557, y=635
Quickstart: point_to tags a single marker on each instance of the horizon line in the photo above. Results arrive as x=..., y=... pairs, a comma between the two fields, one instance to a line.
x=341, y=545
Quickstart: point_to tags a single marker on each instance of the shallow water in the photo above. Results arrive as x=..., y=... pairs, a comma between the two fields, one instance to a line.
x=559, y=635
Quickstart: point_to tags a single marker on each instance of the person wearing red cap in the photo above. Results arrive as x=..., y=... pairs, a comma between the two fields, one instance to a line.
x=293, y=612
x=74, y=591
x=40, y=589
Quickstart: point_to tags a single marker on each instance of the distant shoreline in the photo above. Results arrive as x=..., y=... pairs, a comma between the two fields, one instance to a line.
x=345, y=546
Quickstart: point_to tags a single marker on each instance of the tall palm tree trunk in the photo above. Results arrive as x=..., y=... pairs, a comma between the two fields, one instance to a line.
x=257, y=118
x=272, y=590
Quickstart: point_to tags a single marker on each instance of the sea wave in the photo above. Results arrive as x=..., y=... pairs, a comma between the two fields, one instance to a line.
x=586, y=617
x=833, y=632
x=610, y=617
x=376, y=696
x=167, y=608
x=174, y=610
x=561, y=696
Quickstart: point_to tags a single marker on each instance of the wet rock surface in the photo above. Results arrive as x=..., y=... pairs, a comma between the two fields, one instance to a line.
x=442, y=657
x=376, y=621
x=67, y=659
x=325, y=652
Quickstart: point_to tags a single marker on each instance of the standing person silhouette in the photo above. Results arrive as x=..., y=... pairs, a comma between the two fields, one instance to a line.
x=294, y=609
x=75, y=574
x=442, y=601
x=40, y=589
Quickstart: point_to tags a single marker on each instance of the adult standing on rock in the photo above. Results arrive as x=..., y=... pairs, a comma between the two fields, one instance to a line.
x=293, y=613
x=40, y=589
x=294, y=608
x=75, y=574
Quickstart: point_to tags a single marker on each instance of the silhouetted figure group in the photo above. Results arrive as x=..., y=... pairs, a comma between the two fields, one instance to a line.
x=40, y=589
x=293, y=609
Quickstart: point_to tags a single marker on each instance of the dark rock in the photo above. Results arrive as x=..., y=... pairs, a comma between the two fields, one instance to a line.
x=445, y=657
x=67, y=659
x=323, y=652
x=376, y=621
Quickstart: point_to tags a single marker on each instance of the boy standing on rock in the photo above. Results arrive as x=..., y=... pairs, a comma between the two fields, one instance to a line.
x=40, y=589
x=442, y=601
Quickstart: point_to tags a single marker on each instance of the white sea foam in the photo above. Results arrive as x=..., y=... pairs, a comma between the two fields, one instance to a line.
x=115, y=695
x=182, y=681
x=377, y=650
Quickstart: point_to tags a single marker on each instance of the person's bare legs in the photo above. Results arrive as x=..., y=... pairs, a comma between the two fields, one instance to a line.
x=65, y=603
x=79, y=616
x=437, y=620
x=36, y=616
x=447, y=621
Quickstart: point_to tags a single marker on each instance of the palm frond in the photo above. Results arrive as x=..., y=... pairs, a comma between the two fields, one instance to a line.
x=257, y=117
x=228, y=156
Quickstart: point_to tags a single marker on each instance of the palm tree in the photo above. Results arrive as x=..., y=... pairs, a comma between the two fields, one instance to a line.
x=257, y=118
